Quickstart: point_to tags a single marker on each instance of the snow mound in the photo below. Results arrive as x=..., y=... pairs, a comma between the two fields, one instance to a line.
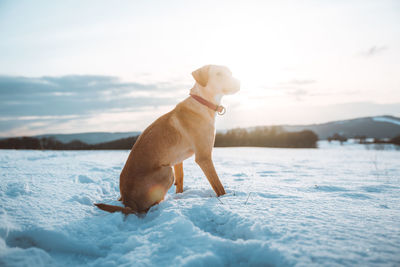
x=386, y=119
x=283, y=207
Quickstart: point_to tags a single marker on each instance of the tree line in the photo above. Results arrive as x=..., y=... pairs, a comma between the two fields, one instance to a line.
x=273, y=136
x=258, y=137
x=53, y=144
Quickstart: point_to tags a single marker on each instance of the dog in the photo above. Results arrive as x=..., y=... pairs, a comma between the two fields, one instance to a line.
x=186, y=130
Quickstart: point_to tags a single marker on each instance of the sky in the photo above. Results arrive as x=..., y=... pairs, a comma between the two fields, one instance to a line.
x=85, y=66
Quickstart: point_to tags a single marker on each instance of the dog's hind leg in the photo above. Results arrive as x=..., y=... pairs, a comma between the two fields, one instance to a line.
x=178, y=172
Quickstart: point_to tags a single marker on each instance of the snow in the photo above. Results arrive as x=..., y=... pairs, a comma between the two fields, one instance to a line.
x=354, y=144
x=386, y=119
x=337, y=205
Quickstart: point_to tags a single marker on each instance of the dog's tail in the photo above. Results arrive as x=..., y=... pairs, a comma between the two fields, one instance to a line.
x=112, y=208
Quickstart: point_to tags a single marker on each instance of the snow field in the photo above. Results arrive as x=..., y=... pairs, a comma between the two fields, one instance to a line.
x=338, y=205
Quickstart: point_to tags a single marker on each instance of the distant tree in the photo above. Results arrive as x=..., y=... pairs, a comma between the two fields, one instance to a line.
x=20, y=143
x=266, y=137
x=124, y=143
x=361, y=138
x=337, y=137
x=395, y=140
x=75, y=145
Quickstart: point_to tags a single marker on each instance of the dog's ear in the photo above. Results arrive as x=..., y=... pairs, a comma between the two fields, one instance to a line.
x=201, y=75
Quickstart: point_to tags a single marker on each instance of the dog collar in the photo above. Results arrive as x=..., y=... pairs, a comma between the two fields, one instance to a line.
x=219, y=109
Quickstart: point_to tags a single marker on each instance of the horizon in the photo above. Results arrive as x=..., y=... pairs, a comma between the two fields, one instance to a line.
x=97, y=67
x=218, y=130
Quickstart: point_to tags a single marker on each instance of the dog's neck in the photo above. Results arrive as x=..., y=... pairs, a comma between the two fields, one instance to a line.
x=204, y=92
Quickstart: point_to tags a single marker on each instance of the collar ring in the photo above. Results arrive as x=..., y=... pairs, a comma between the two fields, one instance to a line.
x=223, y=111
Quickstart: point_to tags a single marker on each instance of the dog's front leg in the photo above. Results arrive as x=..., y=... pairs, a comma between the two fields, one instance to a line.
x=178, y=172
x=206, y=164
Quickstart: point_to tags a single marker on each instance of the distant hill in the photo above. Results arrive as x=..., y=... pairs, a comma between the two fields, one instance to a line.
x=371, y=127
x=89, y=138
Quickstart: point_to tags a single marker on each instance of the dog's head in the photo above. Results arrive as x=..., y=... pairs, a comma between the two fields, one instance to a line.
x=217, y=78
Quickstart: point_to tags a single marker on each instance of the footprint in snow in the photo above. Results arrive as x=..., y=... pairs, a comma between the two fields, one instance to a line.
x=16, y=189
x=84, y=179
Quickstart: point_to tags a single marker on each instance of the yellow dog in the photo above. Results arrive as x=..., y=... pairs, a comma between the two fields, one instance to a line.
x=186, y=130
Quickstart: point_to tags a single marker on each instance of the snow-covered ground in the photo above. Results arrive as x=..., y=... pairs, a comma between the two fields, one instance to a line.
x=337, y=205
x=386, y=119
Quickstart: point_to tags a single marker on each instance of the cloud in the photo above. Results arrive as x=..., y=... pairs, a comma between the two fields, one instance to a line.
x=300, y=82
x=31, y=103
x=374, y=50
x=297, y=93
x=77, y=95
x=297, y=88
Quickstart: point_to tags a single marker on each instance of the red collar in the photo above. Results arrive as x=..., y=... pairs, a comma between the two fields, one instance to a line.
x=220, y=109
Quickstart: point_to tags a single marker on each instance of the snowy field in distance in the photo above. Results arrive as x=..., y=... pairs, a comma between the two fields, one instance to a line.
x=333, y=206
